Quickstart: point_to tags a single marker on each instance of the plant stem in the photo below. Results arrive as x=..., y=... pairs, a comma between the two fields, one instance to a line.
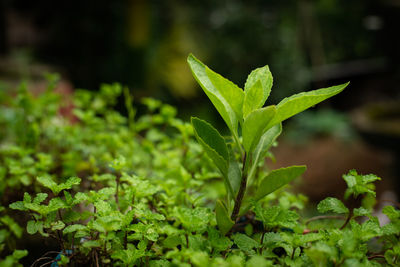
x=323, y=217
x=376, y=256
x=347, y=220
x=117, y=191
x=242, y=152
x=242, y=190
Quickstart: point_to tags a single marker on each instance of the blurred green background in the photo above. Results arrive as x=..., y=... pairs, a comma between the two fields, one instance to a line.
x=143, y=44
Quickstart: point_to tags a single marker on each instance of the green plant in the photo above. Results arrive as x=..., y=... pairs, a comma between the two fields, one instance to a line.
x=260, y=126
x=104, y=190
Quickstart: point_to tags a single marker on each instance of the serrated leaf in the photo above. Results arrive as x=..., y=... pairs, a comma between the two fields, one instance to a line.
x=332, y=204
x=69, y=183
x=358, y=184
x=224, y=221
x=18, y=205
x=27, y=198
x=233, y=95
x=391, y=212
x=276, y=216
x=297, y=103
x=102, y=207
x=40, y=197
x=244, y=242
x=56, y=204
x=74, y=228
x=71, y=216
x=57, y=188
x=58, y=225
x=361, y=212
x=217, y=241
x=254, y=126
x=213, y=143
x=219, y=102
x=46, y=181
x=193, y=220
x=278, y=178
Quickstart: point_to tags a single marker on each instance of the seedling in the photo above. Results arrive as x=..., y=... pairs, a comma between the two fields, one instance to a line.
x=260, y=126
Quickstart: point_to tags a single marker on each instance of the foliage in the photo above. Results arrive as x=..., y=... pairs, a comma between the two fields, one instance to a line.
x=152, y=190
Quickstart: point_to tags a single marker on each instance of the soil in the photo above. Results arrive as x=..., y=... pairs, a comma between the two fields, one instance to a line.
x=327, y=159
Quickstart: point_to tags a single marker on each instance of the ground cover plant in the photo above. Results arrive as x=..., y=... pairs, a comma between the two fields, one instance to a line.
x=95, y=188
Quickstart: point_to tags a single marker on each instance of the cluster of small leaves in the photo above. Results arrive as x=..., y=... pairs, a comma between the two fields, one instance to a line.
x=111, y=190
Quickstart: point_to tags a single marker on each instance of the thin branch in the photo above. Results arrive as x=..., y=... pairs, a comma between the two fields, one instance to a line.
x=324, y=217
x=347, y=220
x=40, y=259
x=376, y=256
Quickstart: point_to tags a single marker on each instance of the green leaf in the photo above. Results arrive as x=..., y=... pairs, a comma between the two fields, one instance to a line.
x=255, y=125
x=391, y=212
x=244, y=242
x=220, y=103
x=257, y=89
x=361, y=212
x=253, y=99
x=278, y=178
x=193, y=220
x=74, y=228
x=48, y=182
x=91, y=244
x=18, y=205
x=224, y=221
x=33, y=227
x=266, y=141
x=27, y=198
x=12, y=225
x=231, y=92
x=218, y=242
x=213, y=143
x=40, y=197
x=58, y=225
x=332, y=204
x=358, y=184
x=297, y=103
x=276, y=216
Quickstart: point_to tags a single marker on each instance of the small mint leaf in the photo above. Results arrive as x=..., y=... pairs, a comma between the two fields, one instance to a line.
x=331, y=204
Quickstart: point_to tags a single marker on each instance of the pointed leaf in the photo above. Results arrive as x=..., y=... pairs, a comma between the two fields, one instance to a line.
x=266, y=141
x=46, y=181
x=220, y=103
x=40, y=197
x=231, y=92
x=213, y=143
x=224, y=222
x=299, y=102
x=264, y=76
x=278, y=178
x=332, y=204
x=254, y=126
x=253, y=99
